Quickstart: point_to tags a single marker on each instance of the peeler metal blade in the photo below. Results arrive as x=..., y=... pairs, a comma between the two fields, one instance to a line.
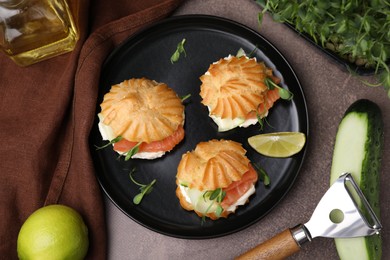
x=342, y=212
x=338, y=214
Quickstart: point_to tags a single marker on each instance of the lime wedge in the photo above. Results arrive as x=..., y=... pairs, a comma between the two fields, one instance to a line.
x=279, y=144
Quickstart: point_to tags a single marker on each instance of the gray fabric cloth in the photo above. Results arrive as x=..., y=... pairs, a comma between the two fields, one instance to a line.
x=329, y=90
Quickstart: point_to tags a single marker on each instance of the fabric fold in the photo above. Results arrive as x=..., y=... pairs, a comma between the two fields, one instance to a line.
x=46, y=113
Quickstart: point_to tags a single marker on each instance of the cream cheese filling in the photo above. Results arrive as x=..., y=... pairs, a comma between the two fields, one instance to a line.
x=108, y=135
x=226, y=124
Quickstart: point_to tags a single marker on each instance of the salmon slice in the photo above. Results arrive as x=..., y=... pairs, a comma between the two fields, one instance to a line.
x=164, y=145
x=238, y=188
x=271, y=97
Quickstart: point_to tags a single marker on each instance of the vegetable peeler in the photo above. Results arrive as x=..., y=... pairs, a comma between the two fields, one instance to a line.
x=337, y=215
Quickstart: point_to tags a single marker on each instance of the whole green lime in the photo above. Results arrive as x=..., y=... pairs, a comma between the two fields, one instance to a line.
x=53, y=232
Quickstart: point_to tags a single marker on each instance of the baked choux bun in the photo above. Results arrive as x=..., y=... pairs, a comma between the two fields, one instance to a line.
x=233, y=89
x=215, y=178
x=143, y=112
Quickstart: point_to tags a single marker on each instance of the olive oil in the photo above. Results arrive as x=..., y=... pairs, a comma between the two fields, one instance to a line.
x=35, y=30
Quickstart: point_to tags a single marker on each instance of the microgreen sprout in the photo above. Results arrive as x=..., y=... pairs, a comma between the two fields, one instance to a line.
x=184, y=184
x=215, y=196
x=263, y=175
x=242, y=53
x=260, y=17
x=283, y=93
x=252, y=53
x=261, y=119
x=356, y=31
x=144, y=189
x=179, y=50
x=113, y=141
x=132, y=151
x=184, y=98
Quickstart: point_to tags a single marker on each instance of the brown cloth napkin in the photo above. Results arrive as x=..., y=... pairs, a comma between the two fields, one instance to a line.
x=46, y=113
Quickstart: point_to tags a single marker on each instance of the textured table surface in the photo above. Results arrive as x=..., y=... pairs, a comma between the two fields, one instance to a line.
x=329, y=90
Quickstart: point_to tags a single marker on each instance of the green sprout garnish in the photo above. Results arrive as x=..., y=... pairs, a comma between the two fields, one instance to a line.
x=283, y=93
x=184, y=98
x=113, y=141
x=260, y=119
x=252, y=53
x=144, y=189
x=260, y=17
x=216, y=196
x=129, y=154
x=132, y=151
x=179, y=50
x=263, y=175
x=356, y=31
x=241, y=53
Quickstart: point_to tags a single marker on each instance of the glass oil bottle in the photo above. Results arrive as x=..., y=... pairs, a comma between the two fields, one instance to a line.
x=35, y=30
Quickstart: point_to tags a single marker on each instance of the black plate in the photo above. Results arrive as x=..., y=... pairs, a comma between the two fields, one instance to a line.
x=147, y=54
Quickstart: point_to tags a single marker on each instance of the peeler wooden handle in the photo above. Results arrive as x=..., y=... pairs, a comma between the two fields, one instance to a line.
x=278, y=247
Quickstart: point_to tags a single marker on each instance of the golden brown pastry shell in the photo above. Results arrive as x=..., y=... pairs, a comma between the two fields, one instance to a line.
x=234, y=86
x=213, y=164
x=142, y=110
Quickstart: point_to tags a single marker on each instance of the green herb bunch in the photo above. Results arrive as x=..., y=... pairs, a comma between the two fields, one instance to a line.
x=356, y=30
x=215, y=196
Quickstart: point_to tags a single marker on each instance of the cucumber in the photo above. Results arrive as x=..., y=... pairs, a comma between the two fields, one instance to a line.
x=358, y=150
